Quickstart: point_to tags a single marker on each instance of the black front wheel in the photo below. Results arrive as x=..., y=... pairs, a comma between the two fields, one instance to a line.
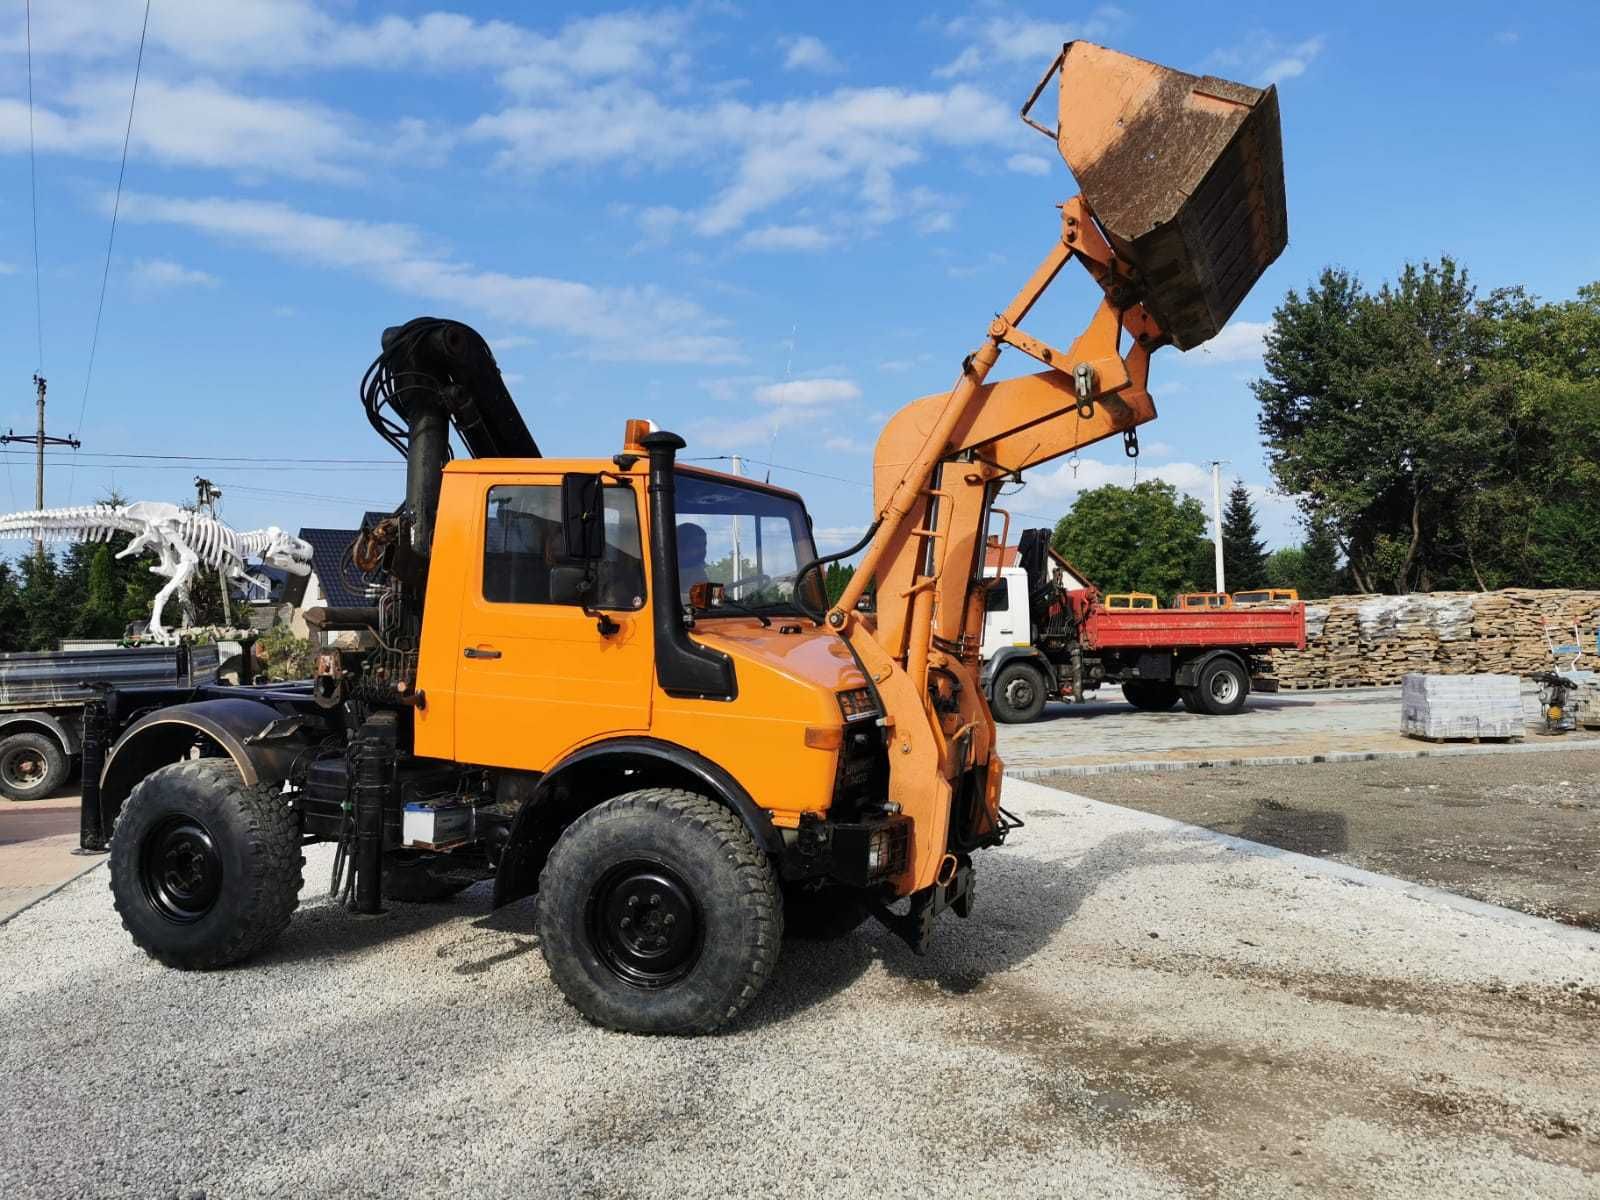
x=1017, y=694
x=659, y=913
x=205, y=870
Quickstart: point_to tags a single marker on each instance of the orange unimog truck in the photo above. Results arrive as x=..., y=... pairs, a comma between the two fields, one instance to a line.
x=616, y=681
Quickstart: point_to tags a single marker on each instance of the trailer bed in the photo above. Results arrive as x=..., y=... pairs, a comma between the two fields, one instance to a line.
x=1281, y=627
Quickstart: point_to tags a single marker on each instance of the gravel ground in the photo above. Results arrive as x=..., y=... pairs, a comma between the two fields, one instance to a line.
x=1522, y=830
x=1134, y=1010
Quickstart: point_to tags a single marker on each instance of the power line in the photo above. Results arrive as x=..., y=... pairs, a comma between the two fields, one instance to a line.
x=33, y=186
x=116, y=206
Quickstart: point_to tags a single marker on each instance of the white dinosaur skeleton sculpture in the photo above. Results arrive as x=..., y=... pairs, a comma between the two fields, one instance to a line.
x=183, y=542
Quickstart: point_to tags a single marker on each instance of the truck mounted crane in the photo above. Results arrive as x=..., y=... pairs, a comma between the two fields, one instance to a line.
x=617, y=684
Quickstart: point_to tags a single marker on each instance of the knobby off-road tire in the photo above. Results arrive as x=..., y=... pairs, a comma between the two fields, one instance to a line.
x=617, y=875
x=205, y=871
x=1151, y=695
x=32, y=765
x=824, y=914
x=1018, y=693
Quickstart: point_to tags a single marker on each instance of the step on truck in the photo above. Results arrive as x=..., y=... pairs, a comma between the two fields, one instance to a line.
x=616, y=682
x=1049, y=636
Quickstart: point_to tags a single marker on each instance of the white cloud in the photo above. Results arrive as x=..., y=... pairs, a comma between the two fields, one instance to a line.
x=1009, y=37
x=7, y=268
x=1239, y=341
x=853, y=140
x=841, y=444
x=1028, y=164
x=833, y=538
x=1264, y=58
x=787, y=405
x=786, y=237
x=808, y=394
x=290, y=35
x=638, y=323
x=807, y=53
x=199, y=124
x=1508, y=37
x=164, y=273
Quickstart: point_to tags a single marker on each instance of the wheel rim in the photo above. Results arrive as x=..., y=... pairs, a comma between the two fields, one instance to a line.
x=644, y=924
x=1224, y=687
x=180, y=870
x=1019, y=692
x=23, y=768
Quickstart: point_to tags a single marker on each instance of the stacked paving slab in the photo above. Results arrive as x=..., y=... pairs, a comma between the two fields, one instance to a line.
x=1450, y=707
x=1366, y=641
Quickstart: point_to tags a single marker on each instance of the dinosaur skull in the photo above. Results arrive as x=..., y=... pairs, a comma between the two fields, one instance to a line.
x=286, y=552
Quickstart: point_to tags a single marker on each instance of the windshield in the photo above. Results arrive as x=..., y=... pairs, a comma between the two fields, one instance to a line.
x=751, y=541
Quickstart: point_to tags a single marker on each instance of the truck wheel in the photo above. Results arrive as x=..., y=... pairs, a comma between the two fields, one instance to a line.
x=659, y=913
x=1222, y=688
x=822, y=914
x=1151, y=695
x=205, y=871
x=1190, y=698
x=32, y=765
x=1018, y=693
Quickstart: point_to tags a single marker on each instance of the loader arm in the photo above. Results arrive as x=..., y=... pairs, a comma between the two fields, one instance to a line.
x=1190, y=169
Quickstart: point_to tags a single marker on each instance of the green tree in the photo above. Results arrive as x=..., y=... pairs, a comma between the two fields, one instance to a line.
x=1320, y=565
x=1244, y=555
x=1144, y=538
x=835, y=579
x=101, y=612
x=13, y=615
x=1439, y=434
x=1311, y=568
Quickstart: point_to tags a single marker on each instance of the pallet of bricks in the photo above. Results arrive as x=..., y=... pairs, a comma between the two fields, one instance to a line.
x=1367, y=641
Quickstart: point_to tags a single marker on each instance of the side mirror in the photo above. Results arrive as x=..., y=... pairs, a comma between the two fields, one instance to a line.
x=705, y=595
x=583, y=516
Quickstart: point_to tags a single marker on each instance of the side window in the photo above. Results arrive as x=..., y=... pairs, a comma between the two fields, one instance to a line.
x=525, y=555
x=998, y=598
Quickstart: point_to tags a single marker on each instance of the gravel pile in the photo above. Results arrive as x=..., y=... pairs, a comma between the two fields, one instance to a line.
x=1132, y=1011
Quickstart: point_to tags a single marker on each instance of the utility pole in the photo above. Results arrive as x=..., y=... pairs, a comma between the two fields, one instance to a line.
x=207, y=494
x=40, y=440
x=1216, y=517
x=738, y=469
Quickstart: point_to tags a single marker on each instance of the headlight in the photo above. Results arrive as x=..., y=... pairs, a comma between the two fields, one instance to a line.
x=856, y=704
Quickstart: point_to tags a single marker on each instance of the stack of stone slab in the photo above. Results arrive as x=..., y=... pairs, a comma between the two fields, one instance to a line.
x=1364, y=641
x=1441, y=708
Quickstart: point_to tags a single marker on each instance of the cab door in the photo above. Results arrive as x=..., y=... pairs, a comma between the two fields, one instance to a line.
x=535, y=672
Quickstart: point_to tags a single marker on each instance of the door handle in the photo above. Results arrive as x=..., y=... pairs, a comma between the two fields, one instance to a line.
x=480, y=652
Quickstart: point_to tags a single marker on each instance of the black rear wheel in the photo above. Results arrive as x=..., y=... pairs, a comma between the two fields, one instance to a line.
x=659, y=913
x=205, y=870
x=32, y=765
x=1223, y=687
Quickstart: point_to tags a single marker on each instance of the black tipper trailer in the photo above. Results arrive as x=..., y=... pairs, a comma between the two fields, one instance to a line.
x=43, y=696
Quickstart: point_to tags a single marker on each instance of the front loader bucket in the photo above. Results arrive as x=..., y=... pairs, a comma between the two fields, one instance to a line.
x=1184, y=174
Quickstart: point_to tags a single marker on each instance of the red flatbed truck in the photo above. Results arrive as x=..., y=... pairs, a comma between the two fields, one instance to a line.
x=1046, y=639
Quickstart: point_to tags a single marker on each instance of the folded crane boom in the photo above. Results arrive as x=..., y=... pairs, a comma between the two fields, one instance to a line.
x=1181, y=210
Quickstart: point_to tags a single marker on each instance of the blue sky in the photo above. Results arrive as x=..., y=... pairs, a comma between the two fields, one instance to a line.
x=765, y=228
